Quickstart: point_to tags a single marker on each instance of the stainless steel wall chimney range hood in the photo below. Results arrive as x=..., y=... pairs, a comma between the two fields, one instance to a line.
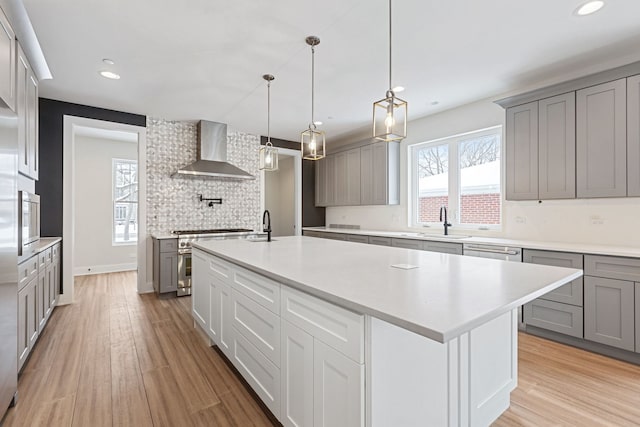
x=212, y=155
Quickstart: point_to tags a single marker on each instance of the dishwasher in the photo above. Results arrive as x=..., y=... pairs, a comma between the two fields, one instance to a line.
x=504, y=253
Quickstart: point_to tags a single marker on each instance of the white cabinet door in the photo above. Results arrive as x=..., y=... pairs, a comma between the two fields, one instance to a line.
x=41, y=302
x=338, y=384
x=259, y=326
x=32, y=125
x=226, y=320
x=215, y=314
x=22, y=77
x=48, y=286
x=200, y=289
x=297, y=377
x=7, y=62
x=23, y=330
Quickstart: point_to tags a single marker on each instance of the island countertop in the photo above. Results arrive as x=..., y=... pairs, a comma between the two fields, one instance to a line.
x=444, y=297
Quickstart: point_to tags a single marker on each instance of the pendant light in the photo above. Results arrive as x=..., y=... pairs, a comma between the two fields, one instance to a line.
x=390, y=113
x=268, y=153
x=312, y=139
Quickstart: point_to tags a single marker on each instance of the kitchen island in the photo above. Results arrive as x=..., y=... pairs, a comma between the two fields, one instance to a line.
x=339, y=333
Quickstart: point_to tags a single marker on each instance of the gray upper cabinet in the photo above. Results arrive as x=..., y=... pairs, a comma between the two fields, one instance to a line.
x=601, y=131
x=364, y=175
x=609, y=316
x=557, y=147
x=7, y=62
x=571, y=293
x=633, y=136
x=522, y=152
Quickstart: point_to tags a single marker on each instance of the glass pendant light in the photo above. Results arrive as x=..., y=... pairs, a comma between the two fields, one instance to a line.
x=268, y=153
x=390, y=113
x=312, y=139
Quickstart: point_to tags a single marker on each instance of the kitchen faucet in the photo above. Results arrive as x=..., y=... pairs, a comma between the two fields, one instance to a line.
x=266, y=224
x=446, y=223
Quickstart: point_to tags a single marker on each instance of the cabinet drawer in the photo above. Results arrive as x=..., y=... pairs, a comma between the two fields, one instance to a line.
x=444, y=247
x=44, y=258
x=612, y=267
x=407, y=243
x=313, y=233
x=48, y=256
x=358, y=239
x=264, y=291
x=168, y=245
x=382, y=241
x=335, y=236
x=572, y=292
x=218, y=267
x=27, y=271
x=55, y=251
x=340, y=328
x=258, y=325
x=554, y=316
x=262, y=375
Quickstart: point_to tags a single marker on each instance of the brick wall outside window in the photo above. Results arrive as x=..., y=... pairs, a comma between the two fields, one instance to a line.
x=475, y=208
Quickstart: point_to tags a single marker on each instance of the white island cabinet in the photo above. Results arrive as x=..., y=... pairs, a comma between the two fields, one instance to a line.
x=329, y=336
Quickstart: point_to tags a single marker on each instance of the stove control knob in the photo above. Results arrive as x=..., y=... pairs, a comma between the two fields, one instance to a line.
x=183, y=244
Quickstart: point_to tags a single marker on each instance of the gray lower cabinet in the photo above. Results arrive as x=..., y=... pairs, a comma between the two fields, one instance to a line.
x=381, y=241
x=407, y=243
x=522, y=152
x=571, y=293
x=609, y=312
x=444, y=247
x=637, y=317
x=554, y=316
x=357, y=238
x=633, y=136
x=601, y=139
x=165, y=265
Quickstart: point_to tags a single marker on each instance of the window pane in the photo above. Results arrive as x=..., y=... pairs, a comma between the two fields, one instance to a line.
x=433, y=181
x=480, y=180
x=125, y=201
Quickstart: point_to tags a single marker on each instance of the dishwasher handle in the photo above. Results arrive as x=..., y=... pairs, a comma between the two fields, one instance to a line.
x=495, y=251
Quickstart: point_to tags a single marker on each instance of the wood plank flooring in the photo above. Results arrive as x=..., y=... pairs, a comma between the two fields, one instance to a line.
x=116, y=358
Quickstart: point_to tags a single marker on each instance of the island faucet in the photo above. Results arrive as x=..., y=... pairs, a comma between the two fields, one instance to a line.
x=446, y=223
x=266, y=224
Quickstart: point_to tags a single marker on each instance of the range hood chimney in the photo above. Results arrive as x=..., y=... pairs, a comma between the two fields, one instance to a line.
x=212, y=155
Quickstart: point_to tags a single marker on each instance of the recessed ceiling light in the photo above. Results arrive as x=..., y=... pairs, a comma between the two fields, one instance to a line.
x=317, y=123
x=108, y=61
x=398, y=89
x=110, y=75
x=589, y=8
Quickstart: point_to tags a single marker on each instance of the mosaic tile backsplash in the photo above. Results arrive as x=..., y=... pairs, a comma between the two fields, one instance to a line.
x=173, y=204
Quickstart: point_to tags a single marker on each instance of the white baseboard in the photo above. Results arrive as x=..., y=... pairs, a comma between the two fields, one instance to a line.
x=98, y=269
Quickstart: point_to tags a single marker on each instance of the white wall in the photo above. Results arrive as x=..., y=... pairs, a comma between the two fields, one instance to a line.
x=279, y=197
x=94, y=252
x=597, y=221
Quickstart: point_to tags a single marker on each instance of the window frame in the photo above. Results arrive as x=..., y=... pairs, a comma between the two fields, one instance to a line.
x=454, y=190
x=114, y=163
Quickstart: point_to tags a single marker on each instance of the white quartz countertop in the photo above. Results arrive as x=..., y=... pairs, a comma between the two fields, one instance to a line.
x=583, y=248
x=444, y=297
x=46, y=242
x=162, y=236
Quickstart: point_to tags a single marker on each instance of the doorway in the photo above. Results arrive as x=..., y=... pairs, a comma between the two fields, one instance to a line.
x=104, y=226
x=282, y=194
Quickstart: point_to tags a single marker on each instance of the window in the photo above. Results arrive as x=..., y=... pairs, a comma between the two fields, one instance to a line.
x=461, y=172
x=125, y=201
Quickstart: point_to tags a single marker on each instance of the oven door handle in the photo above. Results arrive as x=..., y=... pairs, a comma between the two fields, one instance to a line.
x=184, y=251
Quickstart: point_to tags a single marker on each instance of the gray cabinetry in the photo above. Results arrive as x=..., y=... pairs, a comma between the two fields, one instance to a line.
x=347, y=164
x=571, y=293
x=381, y=241
x=633, y=136
x=321, y=185
x=557, y=147
x=609, y=298
x=165, y=265
x=444, y=247
x=637, y=317
x=407, y=243
x=7, y=62
x=609, y=312
x=341, y=178
x=522, y=152
x=380, y=175
x=27, y=320
x=357, y=238
x=601, y=129
x=331, y=197
x=554, y=316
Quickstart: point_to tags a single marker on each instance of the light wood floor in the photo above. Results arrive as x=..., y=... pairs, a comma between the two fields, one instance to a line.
x=116, y=358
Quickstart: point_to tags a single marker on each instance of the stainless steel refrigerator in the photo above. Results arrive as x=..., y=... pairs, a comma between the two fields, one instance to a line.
x=8, y=258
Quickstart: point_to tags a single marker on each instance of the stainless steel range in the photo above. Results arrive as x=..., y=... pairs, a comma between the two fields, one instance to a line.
x=186, y=239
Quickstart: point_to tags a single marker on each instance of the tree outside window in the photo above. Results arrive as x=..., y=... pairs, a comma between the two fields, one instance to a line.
x=125, y=201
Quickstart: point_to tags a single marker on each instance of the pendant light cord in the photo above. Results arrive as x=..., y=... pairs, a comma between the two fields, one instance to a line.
x=313, y=55
x=269, y=112
x=390, y=44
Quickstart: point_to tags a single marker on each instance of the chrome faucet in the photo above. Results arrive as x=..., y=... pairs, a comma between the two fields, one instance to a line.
x=446, y=223
x=266, y=224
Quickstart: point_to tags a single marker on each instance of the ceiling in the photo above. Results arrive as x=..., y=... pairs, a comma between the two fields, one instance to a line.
x=204, y=59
